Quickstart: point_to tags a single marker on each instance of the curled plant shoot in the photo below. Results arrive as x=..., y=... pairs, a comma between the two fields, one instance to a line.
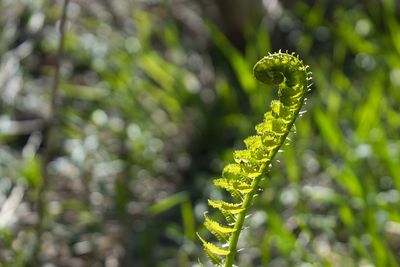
x=241, y=179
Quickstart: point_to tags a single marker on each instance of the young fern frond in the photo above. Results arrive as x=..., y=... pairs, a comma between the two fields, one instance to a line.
x=241, y=179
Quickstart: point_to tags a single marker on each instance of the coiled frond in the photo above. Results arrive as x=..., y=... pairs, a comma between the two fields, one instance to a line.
x=241, y=179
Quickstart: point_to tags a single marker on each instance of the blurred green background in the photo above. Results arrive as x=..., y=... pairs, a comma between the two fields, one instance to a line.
x=155, y=95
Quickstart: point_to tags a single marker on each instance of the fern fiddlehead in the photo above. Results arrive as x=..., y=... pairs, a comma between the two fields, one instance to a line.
x=241, y=179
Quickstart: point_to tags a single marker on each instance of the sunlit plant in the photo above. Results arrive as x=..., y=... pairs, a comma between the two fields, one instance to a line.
x=242, y=178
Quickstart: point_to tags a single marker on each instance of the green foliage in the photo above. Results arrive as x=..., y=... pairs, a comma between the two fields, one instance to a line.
x=242, y=178
x=154, y=100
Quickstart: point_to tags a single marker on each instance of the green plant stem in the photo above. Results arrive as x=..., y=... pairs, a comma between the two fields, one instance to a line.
x=249, y=197
x=239, y=223
x=49, y=135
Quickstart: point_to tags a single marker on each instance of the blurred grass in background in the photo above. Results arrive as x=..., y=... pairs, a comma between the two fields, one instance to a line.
x=154, y=97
